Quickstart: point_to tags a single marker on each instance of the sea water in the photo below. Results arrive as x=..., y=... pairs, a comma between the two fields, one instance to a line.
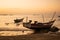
x=12, y=26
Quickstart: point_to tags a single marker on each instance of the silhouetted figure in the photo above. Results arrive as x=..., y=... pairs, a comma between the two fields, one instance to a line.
x=30, y=21
x=35, y=22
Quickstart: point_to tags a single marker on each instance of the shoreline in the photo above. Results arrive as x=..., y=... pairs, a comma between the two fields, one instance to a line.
x=32, y=37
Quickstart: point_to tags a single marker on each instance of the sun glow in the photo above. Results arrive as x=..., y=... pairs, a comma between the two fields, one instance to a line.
x=28, y=6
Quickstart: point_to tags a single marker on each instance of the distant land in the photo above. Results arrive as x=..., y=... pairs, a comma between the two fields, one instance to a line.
x=19, y=14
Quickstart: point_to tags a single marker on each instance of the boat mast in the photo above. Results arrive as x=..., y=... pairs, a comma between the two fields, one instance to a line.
x=26, y=18
x=43, y=17
x=53, y=16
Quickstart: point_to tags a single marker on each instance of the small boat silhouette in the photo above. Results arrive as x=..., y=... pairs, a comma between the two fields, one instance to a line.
x=18, y=20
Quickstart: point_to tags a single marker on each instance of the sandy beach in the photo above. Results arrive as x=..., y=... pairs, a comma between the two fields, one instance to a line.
x=40, y=36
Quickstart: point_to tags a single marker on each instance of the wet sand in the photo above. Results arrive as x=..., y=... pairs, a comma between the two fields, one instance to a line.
x=40, y=36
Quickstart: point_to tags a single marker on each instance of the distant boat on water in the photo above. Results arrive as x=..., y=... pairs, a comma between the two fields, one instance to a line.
x=18, y=20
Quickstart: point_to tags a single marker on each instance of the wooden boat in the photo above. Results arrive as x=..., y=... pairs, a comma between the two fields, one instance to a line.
x=40, y=27
x=18, y=20
x=37, y=25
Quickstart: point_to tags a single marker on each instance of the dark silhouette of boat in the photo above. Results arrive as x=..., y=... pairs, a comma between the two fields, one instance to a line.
x=41, y=27
x=18, y=20
x=37, y=25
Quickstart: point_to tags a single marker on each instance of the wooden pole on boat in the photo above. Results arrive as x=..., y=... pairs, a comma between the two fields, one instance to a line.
x=26, y=19
x=43, y=17
x=53, y=15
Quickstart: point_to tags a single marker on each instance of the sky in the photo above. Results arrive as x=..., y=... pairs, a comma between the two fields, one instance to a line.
x=29, y=6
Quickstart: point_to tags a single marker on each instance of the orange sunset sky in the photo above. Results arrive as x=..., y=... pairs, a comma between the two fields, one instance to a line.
x=28, y=6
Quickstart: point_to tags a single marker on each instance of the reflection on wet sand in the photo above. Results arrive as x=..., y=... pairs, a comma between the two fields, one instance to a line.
x=14, y=33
